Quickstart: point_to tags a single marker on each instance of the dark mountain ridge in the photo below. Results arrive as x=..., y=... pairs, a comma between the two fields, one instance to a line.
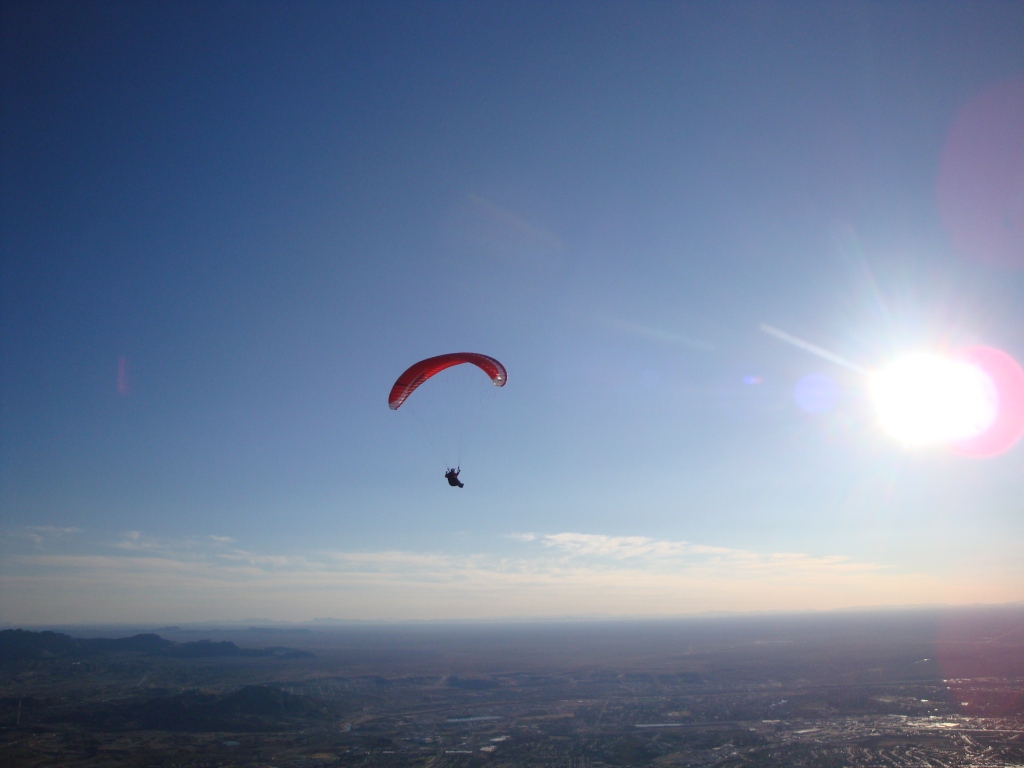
x=25, y=644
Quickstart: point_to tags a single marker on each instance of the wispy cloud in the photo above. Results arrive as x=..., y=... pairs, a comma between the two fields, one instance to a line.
x=487, y=228
x=522, y=536
x=144, y=578
x=38, y=534
x=617, y=547
x=135, y=540
x=685, y=553
x=654, y=333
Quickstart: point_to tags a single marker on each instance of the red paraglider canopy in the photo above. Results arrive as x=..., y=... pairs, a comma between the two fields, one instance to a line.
x=424, y=369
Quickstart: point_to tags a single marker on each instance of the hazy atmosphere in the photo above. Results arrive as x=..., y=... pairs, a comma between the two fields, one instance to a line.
x=702, y=238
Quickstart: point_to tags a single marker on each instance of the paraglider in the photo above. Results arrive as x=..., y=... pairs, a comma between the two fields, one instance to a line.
x=416, y=374
x=419, y=372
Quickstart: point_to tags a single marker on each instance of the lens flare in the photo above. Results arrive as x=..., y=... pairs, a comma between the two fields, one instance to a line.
x=981, y=176
x=972, y=399
x=1007, y=429
x=925, y=399
x=122, y=376
x=815, y=393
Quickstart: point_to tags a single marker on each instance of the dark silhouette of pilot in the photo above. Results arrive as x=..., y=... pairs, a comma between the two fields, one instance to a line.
x=453, y=477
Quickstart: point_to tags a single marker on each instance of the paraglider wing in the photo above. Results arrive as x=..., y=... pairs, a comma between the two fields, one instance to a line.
x=424, y=369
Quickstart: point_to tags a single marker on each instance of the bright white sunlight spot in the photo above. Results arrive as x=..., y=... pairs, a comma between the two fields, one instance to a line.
x=925, y=399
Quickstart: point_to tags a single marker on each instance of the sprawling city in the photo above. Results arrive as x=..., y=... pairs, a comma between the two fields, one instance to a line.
x=924, y=688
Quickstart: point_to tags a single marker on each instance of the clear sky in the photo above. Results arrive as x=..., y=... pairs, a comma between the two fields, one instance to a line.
x=227, y=227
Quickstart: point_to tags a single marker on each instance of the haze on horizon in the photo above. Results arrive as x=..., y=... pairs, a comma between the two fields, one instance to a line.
x=226, y=228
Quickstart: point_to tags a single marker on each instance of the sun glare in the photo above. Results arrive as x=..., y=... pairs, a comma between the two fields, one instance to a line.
x=924, y=399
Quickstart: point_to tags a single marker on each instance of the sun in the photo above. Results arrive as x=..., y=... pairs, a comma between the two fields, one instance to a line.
x=924, y=399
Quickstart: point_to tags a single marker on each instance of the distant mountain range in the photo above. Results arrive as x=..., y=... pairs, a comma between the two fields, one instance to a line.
x=24, y=644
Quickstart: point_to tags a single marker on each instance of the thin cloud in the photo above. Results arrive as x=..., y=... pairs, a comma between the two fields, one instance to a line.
x=52, y=530
x=484, y=227
x=135, y=540
x=522, y=536
x=619, y=548
x=653, y=333
x=141, y=578
x=38, y=534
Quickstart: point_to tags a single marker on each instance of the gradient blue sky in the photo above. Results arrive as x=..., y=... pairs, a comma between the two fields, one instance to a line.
x=227, y=227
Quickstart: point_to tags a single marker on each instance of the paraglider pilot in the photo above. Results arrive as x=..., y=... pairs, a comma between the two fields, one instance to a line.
x=453, y=477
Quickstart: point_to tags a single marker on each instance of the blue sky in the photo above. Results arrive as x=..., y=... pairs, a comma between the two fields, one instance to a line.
x=226, y=228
